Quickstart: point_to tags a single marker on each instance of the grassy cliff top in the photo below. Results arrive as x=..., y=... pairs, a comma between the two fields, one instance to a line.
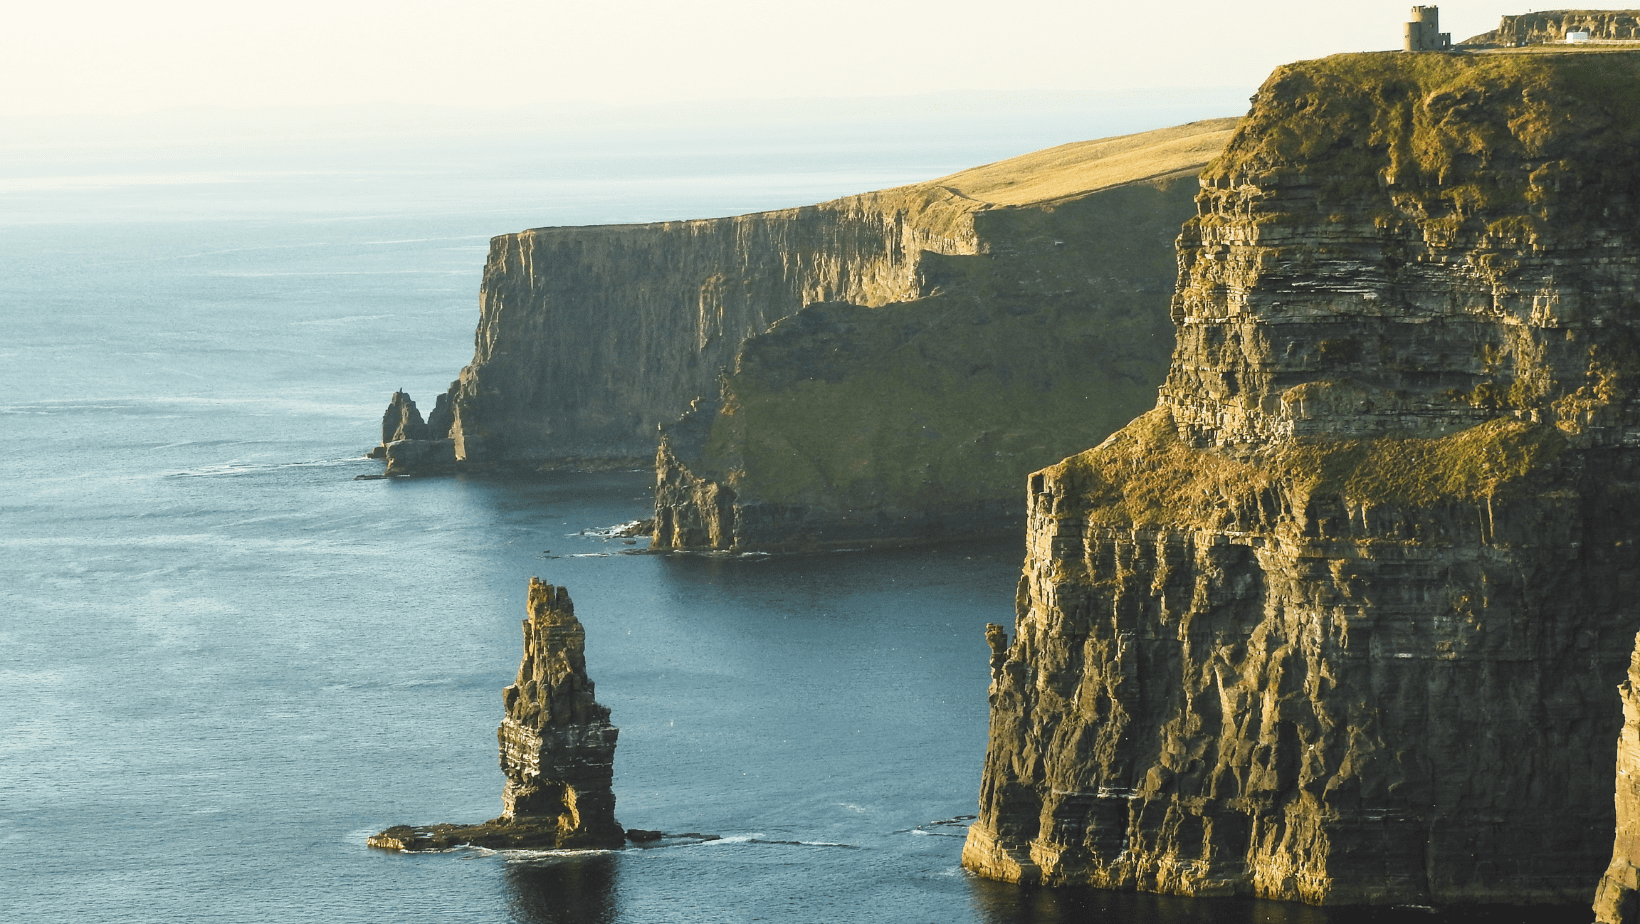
x=1084, y=166
x=1042, y=176
x=1145, y=476
x=1433, y=119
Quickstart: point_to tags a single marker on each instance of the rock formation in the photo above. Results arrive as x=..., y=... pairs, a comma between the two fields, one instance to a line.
x=1617, y=900
x=402, y=421
x=915, y=421
x=1550, y=27
x=412, y=446
x=1340, y=620
x=557, y=748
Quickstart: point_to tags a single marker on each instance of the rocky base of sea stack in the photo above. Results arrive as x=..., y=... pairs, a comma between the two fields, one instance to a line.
x=496, y=834
x=513, y=834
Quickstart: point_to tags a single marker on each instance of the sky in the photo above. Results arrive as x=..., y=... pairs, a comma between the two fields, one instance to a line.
x=101, y=57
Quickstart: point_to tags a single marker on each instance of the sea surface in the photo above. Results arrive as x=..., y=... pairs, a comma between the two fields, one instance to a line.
x=224, y=661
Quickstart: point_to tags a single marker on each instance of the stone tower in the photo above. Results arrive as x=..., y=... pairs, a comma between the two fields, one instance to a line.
x=1423, y=31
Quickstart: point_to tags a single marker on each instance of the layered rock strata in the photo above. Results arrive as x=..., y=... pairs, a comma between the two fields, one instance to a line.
x=557, y=748
x=1617, y=900
x=1547, y=27
x=1340, y=620
x=915, y=421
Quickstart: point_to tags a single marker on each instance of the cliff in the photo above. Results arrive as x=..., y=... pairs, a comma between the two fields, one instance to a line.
x=1341, y=618
x=915, y=421
x=557, y=748
x=590, y=337
x=1617, y=900
x=1550, y=27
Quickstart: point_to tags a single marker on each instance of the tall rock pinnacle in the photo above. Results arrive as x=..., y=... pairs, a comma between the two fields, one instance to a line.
x=557, y=749
x=557, y=746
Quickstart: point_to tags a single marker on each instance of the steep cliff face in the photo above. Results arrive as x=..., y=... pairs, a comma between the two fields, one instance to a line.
x=557, y=748
x=915, y=421
x=1340, y=620
x=1551, y=26
x=590, y=337
x=1617, y=901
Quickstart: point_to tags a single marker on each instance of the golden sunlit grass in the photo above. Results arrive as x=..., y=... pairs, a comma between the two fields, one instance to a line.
x=1072, y=169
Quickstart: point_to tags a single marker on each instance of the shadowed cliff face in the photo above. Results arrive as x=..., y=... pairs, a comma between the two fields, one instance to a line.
x=916, y=421
x=1341, y=620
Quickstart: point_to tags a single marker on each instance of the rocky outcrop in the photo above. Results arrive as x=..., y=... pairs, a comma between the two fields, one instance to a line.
x=557, y=748
x=412, y=446
x=915, y=421
x=1617, y=900
x=401, y=421
x=1550, y=27
x=1340, y=619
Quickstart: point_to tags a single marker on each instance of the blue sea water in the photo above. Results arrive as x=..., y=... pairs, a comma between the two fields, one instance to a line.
x=224, y=662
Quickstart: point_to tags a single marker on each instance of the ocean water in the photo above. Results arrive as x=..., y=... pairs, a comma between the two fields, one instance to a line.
x=224, y=662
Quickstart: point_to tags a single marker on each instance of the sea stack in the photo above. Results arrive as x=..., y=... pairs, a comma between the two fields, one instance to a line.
x=1341, y=620
x=557, y=748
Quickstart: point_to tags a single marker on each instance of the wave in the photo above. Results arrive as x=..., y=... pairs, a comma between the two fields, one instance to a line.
x=924, y=830
x=805, y=844
x=542, y=857
x=234, y=467
x=764, y=840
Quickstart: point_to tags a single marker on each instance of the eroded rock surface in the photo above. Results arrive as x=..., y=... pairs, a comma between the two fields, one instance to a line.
x=557, y=748
x=1550, y=27
x=1617, y=901
x=1340, y=620
x=915, y=421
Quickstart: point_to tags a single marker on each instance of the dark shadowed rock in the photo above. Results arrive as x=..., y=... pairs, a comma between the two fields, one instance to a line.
x=557, y=749
x=442, y=417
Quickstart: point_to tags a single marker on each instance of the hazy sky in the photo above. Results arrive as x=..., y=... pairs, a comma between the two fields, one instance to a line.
x=106, y=57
